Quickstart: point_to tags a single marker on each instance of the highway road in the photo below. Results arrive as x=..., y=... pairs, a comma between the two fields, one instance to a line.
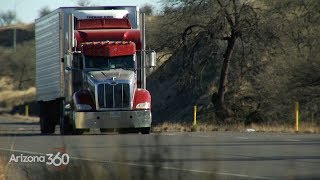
x=199, y=155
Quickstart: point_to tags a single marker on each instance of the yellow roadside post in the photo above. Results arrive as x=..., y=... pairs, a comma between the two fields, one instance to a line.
x=27, y=110
x=194, y=115
x=194, y=126
x=296, y=113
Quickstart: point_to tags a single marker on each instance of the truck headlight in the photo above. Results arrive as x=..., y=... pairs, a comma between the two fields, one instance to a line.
x=144, y=105
x=83, y=107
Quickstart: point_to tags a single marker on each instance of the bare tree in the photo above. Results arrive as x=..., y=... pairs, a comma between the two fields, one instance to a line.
x=44, y=11
x=147, y=9
x=290, y=76
x=267, y=57
x=84, y=3
x=229, y=22
x=240, y=18
x=7, y=18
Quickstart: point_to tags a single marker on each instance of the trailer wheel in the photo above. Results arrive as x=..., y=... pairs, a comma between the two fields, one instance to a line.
x=47, y=123
x=46, y=126
x=145, y=130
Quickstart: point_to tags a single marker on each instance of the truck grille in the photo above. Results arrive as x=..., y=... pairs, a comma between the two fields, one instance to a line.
x=114, y=96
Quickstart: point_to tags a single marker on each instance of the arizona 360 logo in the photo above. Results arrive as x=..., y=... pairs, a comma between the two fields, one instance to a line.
x=58, y=159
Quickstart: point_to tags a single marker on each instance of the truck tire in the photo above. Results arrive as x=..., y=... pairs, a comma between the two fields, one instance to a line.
x=65, y=126
x=47, y=122
x=145, y=130
x=106, y=130
x=129, y=130
x=65, y=122
x=78, y=131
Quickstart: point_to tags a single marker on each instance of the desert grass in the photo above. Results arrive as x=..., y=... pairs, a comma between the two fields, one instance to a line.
x=2, y=176
x=188, y=127
x=10, y=98
x=6, y=83
x=304, y=127
x=4, y=165
x=19, y=117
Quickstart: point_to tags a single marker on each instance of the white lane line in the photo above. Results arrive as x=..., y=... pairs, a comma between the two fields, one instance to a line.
x=146, y=165
x=170, y=134
x=22, y=151
x=190, y=135
x=202, y=136
x=196, y=135
x=294, y=140
x=191, y=170
x=241, y=138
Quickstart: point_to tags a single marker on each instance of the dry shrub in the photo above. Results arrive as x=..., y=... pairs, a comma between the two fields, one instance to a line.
x=6, y=83
x=2, y=169
x=304, y=127
x=188, y=127
x=171, y=127
x=10, y=98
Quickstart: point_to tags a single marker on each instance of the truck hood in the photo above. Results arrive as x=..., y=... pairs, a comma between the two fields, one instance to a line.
x=111, y=75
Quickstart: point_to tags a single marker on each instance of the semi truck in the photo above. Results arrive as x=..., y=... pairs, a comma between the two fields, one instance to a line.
x=91, y=70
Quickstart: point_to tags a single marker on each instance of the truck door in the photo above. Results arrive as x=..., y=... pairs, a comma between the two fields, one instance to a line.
x=77, y=78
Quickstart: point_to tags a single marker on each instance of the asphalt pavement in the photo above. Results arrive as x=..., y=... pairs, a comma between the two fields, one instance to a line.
x=197, y=155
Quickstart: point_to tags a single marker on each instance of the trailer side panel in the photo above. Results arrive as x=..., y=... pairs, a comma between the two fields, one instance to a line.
x=48, y=60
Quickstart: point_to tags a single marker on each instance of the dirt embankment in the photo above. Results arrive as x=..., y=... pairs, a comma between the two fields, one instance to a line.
x=187, y=78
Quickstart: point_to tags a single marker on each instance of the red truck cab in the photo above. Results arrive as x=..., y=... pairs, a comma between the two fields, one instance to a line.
x=103, y=72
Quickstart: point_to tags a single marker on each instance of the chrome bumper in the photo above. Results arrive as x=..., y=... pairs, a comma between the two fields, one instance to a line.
x=112, y=119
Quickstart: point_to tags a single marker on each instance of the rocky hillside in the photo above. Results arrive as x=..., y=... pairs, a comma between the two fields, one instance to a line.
x=188, y=78
x=274, y=61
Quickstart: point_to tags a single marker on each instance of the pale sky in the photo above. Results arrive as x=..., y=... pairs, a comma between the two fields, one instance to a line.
x=28, y=10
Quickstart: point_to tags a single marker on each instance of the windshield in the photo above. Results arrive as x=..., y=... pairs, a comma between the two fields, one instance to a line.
x=98, y=62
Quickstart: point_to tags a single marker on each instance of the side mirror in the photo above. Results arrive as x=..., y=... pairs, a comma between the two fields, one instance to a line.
x=152, y=58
